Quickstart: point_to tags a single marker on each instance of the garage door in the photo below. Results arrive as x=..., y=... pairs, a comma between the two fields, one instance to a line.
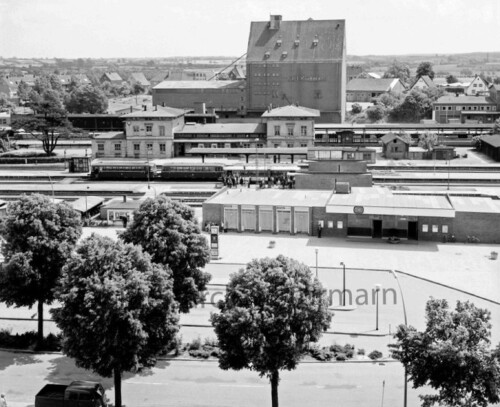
x=284, y=220
x=248, y=219
x=301, y=220
x=231, y=218
x=266, y=219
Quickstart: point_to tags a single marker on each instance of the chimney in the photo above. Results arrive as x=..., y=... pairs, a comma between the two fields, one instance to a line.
x=274, y=22
x=124, y=198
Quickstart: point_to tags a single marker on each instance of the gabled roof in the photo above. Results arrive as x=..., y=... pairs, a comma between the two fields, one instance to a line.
x=112, y=76
x=160, y=111
x=371, y=84
x=139, y=78
x=493, y=140
x=291, y=111
x=264, y=42
x=427, y=80
x=392, y=136
x=199, y=84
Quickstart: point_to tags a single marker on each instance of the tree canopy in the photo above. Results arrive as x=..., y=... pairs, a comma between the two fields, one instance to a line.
x=375, y=113
x=87, y=99
x=271, y=312
x=452, y=355
x=39, y=237
x=425, y=68
x=118, y=309
x=398, y=70
x=451, y=79
x=169, y=232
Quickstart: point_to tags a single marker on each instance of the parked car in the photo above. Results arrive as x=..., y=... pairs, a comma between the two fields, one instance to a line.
x=77, y=394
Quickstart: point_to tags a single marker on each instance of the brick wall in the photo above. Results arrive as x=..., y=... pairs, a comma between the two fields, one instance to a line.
x=485, y=226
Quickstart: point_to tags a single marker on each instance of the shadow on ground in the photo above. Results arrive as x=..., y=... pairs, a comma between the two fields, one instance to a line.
x=11, y=358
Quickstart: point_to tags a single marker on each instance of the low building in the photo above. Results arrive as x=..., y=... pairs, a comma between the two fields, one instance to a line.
x=5, y=119
x=478, y=86
x=463, y=109
x=395, y=147
x=111, y=77
x=138, y=77
x=321, y=153
x=423, y=82
x=119, y=208
x=367, y=89
x=490, y=145
x=327, y=174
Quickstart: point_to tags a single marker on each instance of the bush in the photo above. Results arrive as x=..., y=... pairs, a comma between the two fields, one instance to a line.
x=28, y=340
x=215, y=352
x=349, y=351
x=341, y=357
x=201, y=354
x=211, y=342
x=361, y=351
x=195, y=344
x=337, y=349
x=321, y=354
x=375, y=113
x=356, y=108
x=375, y=355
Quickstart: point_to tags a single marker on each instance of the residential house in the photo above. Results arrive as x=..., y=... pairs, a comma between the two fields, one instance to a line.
x=81, y=79
x=423, y=82
x=367, y=89
x=478, y=86
x=138, y=77
x=111, y=77
x=9, y=89
x=158, y=78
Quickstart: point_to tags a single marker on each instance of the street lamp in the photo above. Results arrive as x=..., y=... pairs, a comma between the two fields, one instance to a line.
x=343, y=284
x=316, y=250
x=86, y=203
x=405, y=396
x=148, y=169
x=257, y=160
x=377, y=289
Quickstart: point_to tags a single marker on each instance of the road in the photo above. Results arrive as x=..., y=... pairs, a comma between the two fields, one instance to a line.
x=203, y=384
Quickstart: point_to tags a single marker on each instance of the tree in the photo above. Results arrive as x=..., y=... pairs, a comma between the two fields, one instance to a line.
x=451, y=79
x=87, y=99
x=398, y=70
x=169, y=232
x=425, y=68
x=118, y=310
x=356, y=108
x=271, y=312
x=23, y=91
x=5, y=103
x=496, y=127
x=452, y=355
x=39, y=237
x=428, y=140
x=375, y=113
x=416, y=105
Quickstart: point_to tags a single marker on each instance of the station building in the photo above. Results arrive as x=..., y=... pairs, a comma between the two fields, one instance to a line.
x=375, y=212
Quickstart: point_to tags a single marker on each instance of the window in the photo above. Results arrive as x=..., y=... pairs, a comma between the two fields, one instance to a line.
x=303, y=131
x=137, y=147
x=149, y=128
x=100, y=147
x=303, y=144
x=149, y=147
x=118, y=147
x=340, y=224
x=367, y=156
x=475, y=85
x=317, y=94
x=435, y=228
x=444, y=229
x=330, y=224
x=163, y=148
x=276, y=130
x=162, y=131
x=289, y=145
x=425, y=228
x=135, y=128
x=290, y=128
x=276, y=146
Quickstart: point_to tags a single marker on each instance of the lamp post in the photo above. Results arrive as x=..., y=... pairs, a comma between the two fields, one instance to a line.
x=405, y=394
x=257, y=160
x=316, y=250
x=377, y=290
x=86, y=203
x=343, y=283
x=148, y=169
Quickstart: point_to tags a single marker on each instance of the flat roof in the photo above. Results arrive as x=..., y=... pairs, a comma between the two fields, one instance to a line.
x=475, y=204
x=381, y=201
x=222, y=128
x=250, y=150
x=112, y=135
x=199, y=84
x=272, y=197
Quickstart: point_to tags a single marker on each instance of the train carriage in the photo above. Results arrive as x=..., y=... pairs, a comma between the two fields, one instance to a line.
x=191, y=171
x=123, y=170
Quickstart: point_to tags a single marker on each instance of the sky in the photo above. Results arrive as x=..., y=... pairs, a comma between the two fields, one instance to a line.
x=167, y=28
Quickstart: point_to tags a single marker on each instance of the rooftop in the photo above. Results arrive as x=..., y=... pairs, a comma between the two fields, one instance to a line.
x=464, y=99
x=199, y=84
x=371, y=84
x=493, y=140
x=159, y=111
x=292, y=111
x=112, y=135
x=222, y=128
x=475, y=204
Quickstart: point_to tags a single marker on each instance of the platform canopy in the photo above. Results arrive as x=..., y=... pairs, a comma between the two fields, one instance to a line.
x=264, y=150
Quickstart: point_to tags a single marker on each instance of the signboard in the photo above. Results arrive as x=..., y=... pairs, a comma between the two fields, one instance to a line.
x=214, y=242
x=358, y=210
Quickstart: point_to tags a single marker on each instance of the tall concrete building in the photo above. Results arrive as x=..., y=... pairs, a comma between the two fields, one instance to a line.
x=301, y=62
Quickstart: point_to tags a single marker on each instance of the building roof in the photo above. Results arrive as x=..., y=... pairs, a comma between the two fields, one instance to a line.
x=464, y=99
x=371, y=84
x=113, y=76
x=382, y=201
x=493, y=140
x=475, y=204
x=86, y=203
x=249, y=150
x=391, y=136
x=223, y=128
x=139, y=78
x=292, y=111
x=427, y=80
x=119, y=204
x=111, y=135
x=264, y=43
x=199, y=84
x=272, y=196
x=160, y=111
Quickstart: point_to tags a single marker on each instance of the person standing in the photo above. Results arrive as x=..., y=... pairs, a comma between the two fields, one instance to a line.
x=320, y=228
x=3, y=402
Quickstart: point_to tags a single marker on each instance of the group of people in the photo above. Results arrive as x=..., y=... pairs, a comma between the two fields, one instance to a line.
x=281, y=181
